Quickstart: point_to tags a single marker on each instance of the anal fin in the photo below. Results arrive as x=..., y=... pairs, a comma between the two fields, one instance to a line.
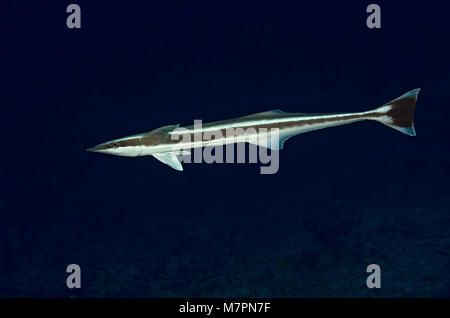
x=273, y=142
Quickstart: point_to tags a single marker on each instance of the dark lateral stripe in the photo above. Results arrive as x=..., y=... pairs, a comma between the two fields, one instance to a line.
x=210, y=135
x=161, y=136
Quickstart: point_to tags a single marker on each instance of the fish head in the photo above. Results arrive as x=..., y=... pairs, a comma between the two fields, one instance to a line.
x=128, y=147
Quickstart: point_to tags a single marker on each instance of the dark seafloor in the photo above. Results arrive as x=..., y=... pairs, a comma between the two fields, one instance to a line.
x=343, y=198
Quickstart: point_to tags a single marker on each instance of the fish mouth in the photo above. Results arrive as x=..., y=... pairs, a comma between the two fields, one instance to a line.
x=99, y=148
x=93, y=149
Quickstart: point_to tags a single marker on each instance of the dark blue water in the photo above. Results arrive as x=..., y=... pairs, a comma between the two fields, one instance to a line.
x=343, y=198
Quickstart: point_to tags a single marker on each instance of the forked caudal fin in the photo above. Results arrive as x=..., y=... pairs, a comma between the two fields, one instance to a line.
x=399, y=113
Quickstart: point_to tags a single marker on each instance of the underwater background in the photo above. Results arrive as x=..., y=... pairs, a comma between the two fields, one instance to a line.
x=342, y=199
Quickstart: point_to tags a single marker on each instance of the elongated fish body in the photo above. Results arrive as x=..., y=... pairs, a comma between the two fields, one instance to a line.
x=165, y=143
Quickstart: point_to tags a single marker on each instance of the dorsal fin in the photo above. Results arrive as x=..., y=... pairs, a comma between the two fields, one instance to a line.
x=267, y=113
x=168, y=128
x=273, y=111
x=163, y=129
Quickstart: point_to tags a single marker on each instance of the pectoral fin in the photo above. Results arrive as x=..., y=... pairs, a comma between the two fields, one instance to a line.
x=169, y=159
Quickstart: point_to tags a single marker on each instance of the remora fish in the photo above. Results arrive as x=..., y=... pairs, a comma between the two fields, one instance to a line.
x=165, y=143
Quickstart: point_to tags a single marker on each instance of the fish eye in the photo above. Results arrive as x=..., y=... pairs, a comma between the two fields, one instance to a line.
x=115, y=144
